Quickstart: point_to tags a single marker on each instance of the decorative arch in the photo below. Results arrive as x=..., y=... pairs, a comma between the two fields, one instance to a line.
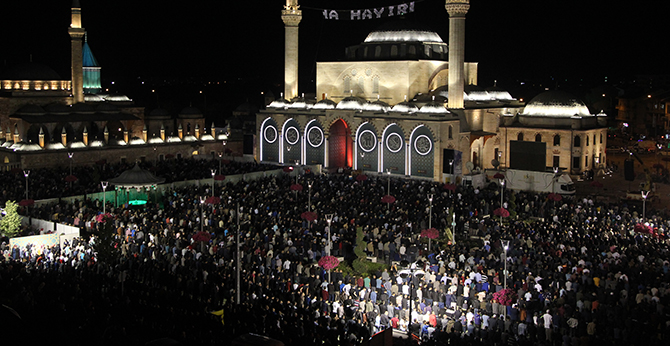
x=366, y=147
x=340, y=144
x=269, y=141
x=314, y=143
x=519, y=136
x=290, y=144
x=393, y=149
x=421, y=152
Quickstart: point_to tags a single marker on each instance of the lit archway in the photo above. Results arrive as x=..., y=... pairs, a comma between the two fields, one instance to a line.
x=340, y=145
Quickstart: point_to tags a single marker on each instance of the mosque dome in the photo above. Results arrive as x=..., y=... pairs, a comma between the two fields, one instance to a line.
x=405, y=107
x=433, y=107
x=280, y=103
x=377, y=106
x=325, y=104
x=58, y=109
x=351, y=103
x=556, y=103
x=31, y=110
x=403, y=31
x=400, y=39
x=116, y=97
x=30, y=71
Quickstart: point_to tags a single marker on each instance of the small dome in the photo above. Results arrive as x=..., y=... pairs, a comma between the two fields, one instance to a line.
x=351, y=102
x=82, y=108
x=299, y=103
x=280, y=103
x=30, y=71
x=117, y=98
x=377, y=106
x=93, y=98
x=58, y=109
x=556, y=103
x=190, y=113
x=31, y=110
x=433, y=107
x=325, y=104
x=405, y=107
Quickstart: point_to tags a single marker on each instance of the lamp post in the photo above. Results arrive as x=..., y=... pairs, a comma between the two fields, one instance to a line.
x=388, y=185
x=202, y=212
x=505, y=244
x=502, y=195
x=213, y=174
x=26, y=173
x=430, y=216
x=451, y=169
x=104, y=195
x=70, y=155
x=329, y=242
x=645, y=194
x=237, y=256
x=309, y=201
x=411, y=271
x=297, y=166
x=220, y=160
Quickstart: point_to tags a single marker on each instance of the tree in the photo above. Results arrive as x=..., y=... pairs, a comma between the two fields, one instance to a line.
x=10, y=224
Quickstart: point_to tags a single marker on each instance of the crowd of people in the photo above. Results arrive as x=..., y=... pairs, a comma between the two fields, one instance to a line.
x=577, y=274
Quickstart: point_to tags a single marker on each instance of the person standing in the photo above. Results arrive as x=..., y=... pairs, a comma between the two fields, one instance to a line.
x=547, y=324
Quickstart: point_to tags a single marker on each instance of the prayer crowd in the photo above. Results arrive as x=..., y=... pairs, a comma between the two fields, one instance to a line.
x=577, y=273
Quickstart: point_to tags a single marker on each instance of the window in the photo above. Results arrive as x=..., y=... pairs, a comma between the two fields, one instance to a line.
x=347, y=84
x=601, y=138
x=577, y=142
x=375, y=85
x=412, y=50
x=394, y=51
x=557, y=140
x=538, y=137
x=587, y=140
x=378, y=51
x=451, y=132
x=586, y=162
x=519, y=137
x=557, y=161
x=594, y=139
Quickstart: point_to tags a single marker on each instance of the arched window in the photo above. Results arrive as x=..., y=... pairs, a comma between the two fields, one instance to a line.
x=375, y=85
x=412, y=51
x=451, y=132
x=394, y=51
x=557, y=140
x=347, y=84
x=538, y=137
x=601, y=138
x=378, y=51
x=577, y=142
x=519, y=137
x=587, y=140
x=594, y=139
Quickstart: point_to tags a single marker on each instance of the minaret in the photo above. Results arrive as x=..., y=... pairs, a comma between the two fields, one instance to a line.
x=76, y=37
x=291, y=15
x=457, y=10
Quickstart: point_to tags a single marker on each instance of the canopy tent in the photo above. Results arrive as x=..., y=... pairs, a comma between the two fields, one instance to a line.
x=136, y=178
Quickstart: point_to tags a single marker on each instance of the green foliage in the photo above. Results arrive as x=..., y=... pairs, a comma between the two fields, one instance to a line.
x=361, y=266
x=10, y=224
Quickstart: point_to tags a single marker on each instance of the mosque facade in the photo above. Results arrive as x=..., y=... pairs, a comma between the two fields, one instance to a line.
x=405, y=102
x=46, y=119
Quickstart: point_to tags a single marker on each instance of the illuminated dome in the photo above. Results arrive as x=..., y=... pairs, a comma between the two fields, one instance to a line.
x=403, y=31
x=352, y=102
x=325, y=104
x=281, y=103
x=405, y=107
x=434, y=107
x=377, y=106
x=556, y=103
x=400, y=39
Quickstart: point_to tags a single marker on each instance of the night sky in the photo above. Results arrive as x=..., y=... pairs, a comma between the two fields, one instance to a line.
x=217, y=40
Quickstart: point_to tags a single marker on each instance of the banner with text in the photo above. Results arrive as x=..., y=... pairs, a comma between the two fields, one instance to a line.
x=370, y=13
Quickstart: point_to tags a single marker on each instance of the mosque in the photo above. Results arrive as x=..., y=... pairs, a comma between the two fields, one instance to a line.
x=46, y=119
x=404, y=102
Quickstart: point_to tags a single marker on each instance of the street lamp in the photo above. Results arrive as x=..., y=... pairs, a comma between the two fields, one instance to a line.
x=202, y=212
x=388, y=186
x=26, y=173
x=213, y=174
x=329, y=242
x=502, y=194
x=411, y=271
x=430, y=215
x=505, y=244
x=70, y=155
x=309, y=200
x=451, y=169
x=645, y=194
x=220, y=160
x=104, y=195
